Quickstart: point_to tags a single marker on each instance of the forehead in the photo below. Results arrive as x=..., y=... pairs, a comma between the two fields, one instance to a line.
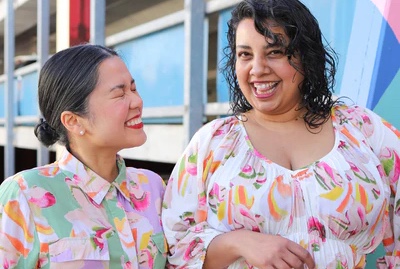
x=112, y=68
x=270, y=30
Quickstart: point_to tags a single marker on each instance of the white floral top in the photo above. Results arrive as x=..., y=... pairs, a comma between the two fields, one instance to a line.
x=339, y=208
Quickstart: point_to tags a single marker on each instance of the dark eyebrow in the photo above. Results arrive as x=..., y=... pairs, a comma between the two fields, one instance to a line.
x=265, y=47
x=121, y=86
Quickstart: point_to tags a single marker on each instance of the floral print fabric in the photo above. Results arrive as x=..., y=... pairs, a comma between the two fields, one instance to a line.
x=63, y=215
x=339, y=208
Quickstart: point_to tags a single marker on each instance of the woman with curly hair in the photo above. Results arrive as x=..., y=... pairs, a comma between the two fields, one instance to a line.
x=294, y=179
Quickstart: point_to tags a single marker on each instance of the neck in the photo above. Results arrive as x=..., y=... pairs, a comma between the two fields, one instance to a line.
x=103, y=165
x=287, y=117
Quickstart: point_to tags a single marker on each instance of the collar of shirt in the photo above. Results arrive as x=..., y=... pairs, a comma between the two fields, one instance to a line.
x=91, y=183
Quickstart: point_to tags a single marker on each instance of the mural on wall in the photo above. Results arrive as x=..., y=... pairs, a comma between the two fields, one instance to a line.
x=385, y=100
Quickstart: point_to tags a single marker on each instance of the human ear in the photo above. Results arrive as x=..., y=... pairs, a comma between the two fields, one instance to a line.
x=72, y=122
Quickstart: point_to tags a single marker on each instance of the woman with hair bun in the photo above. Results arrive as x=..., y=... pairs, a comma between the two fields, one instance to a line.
x=87, y=210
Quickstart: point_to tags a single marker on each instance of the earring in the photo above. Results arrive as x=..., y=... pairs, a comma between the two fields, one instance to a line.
x=82, y=132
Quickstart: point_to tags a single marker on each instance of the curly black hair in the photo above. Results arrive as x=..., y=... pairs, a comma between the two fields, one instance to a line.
x=318, y=61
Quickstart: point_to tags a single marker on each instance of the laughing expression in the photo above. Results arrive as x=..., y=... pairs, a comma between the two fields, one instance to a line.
x=266, y=78
x=115, y=108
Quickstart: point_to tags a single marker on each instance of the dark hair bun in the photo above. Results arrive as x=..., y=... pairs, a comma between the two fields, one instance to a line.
x=45, y=133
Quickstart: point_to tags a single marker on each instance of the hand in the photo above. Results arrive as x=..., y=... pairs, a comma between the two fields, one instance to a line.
x=273, y=252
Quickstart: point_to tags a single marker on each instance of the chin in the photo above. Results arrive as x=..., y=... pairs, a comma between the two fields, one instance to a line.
x=139, y=141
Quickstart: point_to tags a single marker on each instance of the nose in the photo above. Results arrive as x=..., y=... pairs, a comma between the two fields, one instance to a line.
x=135, y=101
x=259, y=66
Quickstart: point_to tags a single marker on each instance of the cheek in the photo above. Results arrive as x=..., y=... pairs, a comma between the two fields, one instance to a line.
x=241, y=72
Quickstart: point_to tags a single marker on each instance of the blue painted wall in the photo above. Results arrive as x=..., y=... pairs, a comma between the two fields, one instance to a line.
x=156, y=62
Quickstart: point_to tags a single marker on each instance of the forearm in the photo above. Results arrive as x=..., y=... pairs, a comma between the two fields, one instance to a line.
x=223, y=251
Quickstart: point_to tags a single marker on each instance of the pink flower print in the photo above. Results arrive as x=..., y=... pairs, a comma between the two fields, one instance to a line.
x=326, y=176
x=244, y=219
x=194, y=247
x=362, y=173
x=98, y=238
x=77, y=179
x=127, y=265
x=9, y=263
x=354, y=168
x=191, y=165
x=246, y=169
x=315, y=225
x=349, y=224
x=342, y=144
x=140, y=199
x=396, y=168
x=146, y=259
x=367, y=126
x=247, y=172
x=218, y=132
x=42, y=198
x=188, y=217
x=217, y=193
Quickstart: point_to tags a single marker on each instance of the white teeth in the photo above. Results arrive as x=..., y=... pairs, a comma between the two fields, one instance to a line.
x=263, y=88
x=134, y=122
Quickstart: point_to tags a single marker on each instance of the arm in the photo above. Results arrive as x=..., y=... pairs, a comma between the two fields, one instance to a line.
x=384, y=140
x=19, y=247
x=390, y=160
x=258, y=249
x=184, y=214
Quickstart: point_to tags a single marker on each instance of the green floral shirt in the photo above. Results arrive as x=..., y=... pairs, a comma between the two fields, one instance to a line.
x=64, y=215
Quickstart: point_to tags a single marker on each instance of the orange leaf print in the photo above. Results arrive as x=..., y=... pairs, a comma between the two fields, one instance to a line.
x=18, y=245
x=214, y=166
x=379, y=217
x=13, y=210
x=207, y=164
x=44, y=247
x=284, y=189
x=276, y=212
x=362, y=197
x=241, y=197
x=124, y=189
x=391, y=127
x=350, y=136
x=201, y=215
x=44, y=229
x=346, y=199
x=388, y=241
x=49, y=171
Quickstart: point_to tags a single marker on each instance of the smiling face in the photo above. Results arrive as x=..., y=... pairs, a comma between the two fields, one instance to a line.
x=115, y=109
x=266, y=78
